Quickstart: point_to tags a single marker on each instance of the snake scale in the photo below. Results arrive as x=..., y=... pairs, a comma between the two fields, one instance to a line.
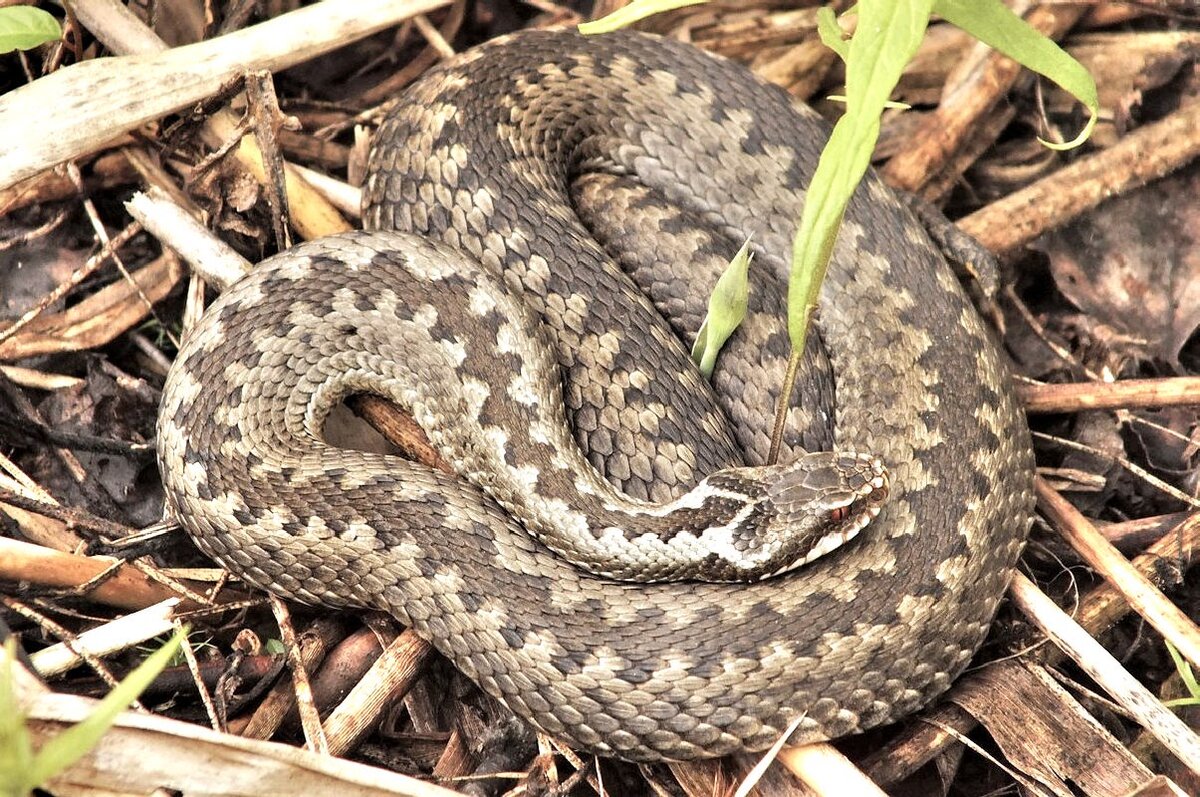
x=540, y=204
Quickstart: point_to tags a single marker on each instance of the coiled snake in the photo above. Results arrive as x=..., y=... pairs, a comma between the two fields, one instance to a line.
x=674, y=158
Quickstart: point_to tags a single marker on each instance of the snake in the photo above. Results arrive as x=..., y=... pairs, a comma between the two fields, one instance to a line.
x=546, y=215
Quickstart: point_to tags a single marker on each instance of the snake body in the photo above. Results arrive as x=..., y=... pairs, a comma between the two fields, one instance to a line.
x=480, y=268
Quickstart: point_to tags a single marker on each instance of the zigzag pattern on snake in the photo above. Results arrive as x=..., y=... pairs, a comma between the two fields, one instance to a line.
x=671, y=158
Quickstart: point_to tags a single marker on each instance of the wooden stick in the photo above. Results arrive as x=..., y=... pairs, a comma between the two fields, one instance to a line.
x=1125, y=394
x=1143, y=596
x=1100, y=665
x=825, y=770
x=1145, y=154
x=142, y=751
x=98, y=100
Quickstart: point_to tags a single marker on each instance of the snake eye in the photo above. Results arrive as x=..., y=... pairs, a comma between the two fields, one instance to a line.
x=840, y=513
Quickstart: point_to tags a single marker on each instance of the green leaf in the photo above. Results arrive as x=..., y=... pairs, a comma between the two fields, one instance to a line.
x=627, y=15
x=72, y=744
x=887, y=36
x=994, y=24
x=1185, y=672
x=23, y=28
x=726, y=309
x=16, y=748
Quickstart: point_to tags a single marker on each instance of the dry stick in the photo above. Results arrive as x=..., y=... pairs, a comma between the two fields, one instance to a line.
x=24, y=408
x=39, y=380
x=456, y=759
x=103, y=640
x=125, y=589
x=388, y=88
x=197, y=597
x=389, y=678
x=1104, y=605
x=95, y=320
x=1146, y=154
x=193, y=665
x=939, y=186
x=311, y=216
x=1143, y=596
x=825, y=770
x=97, y=100
x=701, y=779
x=125, y=31
x=268, y=121
x=101, y=233
x=1126, y=394
x=933, y=733
x=107, y=171
x=51, y=628
x=162, y=217
x=314, y=643
x=28, y=237
x=1100, y=665
x=942, y=132
x=1163, y=486
x=433, y=36
x=1039, y=330
x=747, y=36
x=74, y=517
x=187, y=756
x=35, y=527
x=1131, y=536
x=310, y=719
x=343, y=196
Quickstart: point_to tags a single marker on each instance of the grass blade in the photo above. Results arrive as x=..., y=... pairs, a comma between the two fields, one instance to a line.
x=72, y=744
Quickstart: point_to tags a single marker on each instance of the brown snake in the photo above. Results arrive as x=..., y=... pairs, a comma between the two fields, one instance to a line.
x=673, y=157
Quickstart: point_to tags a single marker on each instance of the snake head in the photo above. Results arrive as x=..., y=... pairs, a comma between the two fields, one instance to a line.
x=819, y=502
x=768, y=520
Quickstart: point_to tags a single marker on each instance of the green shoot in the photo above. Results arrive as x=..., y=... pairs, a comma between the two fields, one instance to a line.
x=888, y=35
x=16, y=747
x=1187, y=676
x=726, y=309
